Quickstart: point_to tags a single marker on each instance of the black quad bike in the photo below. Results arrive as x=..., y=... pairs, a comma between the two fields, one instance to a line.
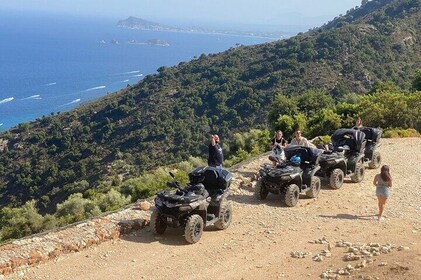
x=291, y=177
x=201, y=203
x=346, y=158
x=371, y=153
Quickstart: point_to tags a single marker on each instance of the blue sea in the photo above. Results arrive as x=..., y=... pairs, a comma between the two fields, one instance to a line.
x=51, y=63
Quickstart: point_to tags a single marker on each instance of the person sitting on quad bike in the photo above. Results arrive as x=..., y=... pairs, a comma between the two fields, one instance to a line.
x=278, y=144
x=299, y=140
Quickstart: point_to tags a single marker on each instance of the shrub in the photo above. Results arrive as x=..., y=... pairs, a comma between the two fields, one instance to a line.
x=401, y=133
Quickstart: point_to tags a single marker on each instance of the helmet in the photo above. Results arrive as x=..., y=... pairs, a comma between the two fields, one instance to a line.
x=296, y=160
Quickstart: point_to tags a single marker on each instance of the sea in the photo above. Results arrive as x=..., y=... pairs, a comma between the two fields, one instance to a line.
x=53, y=63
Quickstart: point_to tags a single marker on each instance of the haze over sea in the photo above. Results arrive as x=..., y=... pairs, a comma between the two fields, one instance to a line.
x=55, y=63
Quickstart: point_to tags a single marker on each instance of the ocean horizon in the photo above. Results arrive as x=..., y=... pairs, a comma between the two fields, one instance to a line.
x=52, y=63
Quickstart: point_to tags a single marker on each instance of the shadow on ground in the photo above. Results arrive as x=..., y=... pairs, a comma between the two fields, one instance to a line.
x=350, y=217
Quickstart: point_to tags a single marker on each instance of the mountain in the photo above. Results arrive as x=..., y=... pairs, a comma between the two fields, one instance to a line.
x=142, y=24
x=169, y=116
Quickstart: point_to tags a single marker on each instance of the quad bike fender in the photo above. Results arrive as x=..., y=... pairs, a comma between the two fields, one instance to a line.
x=201, y=213
x=296, y=179
x=341, y=164
x=309, y=173
x=352, y=162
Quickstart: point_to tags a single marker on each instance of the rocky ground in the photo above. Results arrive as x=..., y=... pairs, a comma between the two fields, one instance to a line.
x=333, y=236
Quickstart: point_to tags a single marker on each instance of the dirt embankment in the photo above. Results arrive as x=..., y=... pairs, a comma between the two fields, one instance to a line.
x=267, y=240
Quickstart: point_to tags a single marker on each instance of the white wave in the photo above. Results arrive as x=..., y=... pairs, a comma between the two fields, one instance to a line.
x=125, y=81
x=75, y=101
x=128, y=73
x=51, y=84
x=70, y=103
x=95, y=88
x=1, y=124
x=6, y=100
x=37, y=96
x=140, y=75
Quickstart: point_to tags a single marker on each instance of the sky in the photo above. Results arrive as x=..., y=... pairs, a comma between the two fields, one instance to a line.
x=218, y=11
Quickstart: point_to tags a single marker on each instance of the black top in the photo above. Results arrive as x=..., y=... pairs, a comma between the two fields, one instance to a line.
x=281, y=141
x=216, y=156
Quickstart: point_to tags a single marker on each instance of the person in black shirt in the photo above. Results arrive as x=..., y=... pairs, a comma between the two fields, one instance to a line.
x=216, y=157
x=278, y=141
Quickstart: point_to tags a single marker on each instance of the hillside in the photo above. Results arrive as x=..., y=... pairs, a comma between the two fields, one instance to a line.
x=263, y=234
x=168, y=116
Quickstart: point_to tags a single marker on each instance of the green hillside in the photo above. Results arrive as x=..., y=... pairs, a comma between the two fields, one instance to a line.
x=169, y=116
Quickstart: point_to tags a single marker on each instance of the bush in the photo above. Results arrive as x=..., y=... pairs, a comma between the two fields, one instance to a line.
x=19, y=222
x=76, y=208
x=401, y=133
x=112, y=200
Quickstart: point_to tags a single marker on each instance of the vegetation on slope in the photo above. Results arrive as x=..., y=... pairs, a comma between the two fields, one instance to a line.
x=168, y=117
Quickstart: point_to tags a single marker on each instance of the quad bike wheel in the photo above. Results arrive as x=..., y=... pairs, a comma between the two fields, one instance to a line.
x=376, y=160
x=157, y=224
x=225, y=216
x=359, y=173
x=314, y=187
x=336, y=179
x=194, y=229
x=292, y=195
x=260, y=191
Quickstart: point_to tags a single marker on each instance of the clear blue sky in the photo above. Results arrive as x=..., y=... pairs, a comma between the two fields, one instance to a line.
x=234, y=11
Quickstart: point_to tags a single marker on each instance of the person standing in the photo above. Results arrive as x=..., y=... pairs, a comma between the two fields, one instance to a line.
x=299, y=140
x=383, y=183
x=216, y=156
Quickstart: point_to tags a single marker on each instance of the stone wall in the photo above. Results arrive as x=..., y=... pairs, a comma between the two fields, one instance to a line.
x=39, y=248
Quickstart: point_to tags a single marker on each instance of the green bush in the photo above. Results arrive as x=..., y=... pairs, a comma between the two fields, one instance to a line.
x=401, y=133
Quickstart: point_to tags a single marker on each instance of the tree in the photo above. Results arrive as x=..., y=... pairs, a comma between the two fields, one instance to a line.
x=416, y=82
x=282, y=105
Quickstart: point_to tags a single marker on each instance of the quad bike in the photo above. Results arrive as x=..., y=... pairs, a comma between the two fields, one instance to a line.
x=371, y=153
x=291, y=177
x=201, y=203
x=345, y=159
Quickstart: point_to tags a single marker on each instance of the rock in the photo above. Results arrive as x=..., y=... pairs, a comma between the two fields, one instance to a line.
x=144, y=205
x=402, y=248
x=383, y=264
x=318, y=258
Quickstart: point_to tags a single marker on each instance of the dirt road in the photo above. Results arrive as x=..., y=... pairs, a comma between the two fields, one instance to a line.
x=259, y=242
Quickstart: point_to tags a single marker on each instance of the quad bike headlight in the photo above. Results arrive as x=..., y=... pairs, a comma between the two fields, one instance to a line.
x=158, y=202
x=185, y=208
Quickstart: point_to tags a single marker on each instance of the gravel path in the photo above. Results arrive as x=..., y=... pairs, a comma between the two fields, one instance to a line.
x=263, y=236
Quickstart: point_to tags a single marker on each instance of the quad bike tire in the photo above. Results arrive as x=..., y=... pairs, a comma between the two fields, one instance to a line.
x=193, y=229
x=376, y=160
x=359, y=173
x=260, y=191
x=225, y=216
x=292, y=195
x=157, y=224
x=336, y=179
x=314, y=187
